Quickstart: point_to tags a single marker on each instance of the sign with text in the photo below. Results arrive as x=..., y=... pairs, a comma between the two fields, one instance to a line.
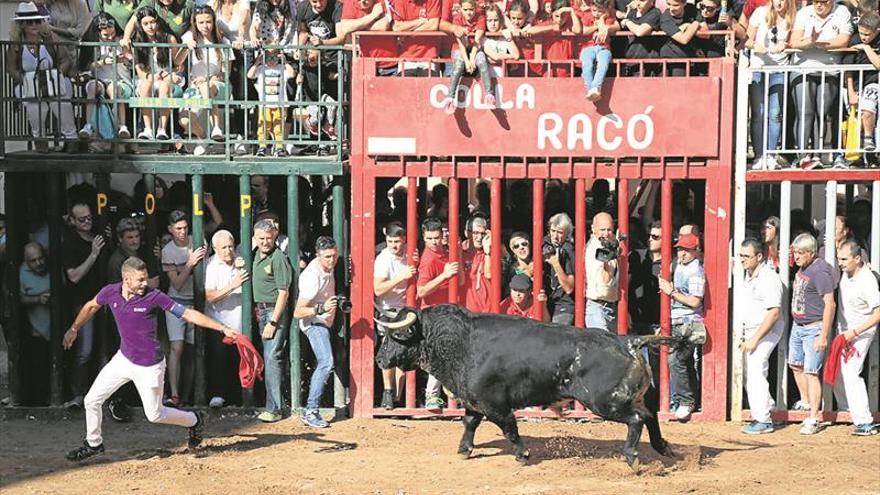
x=543, y=117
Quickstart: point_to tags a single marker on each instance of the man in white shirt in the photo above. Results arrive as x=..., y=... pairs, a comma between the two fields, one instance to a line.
x=762, y=329
x=224, y=276
x=857, y=320
x=602, y=278
x=391, y=275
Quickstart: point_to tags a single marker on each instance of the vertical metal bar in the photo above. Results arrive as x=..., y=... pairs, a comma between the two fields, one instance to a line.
x=412, y=242
x=244, y=250
x=59, y=317
x=497, y=248
x=784, y=242
x=665, y=272
x=101, y=344
x=339, y=237
x=198, y=234
x=874, y=352
x=580, y=242
x=537, y=243
x=293, y=257
x=16, y=329
x=623, y=265
x=739, y=233
x=831, y=258
x=454, y=247
x=149, y=205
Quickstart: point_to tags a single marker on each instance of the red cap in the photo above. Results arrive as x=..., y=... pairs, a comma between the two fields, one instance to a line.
x=688, y=241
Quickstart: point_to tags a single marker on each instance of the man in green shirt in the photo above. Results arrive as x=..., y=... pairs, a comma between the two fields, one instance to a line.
x=271, y=281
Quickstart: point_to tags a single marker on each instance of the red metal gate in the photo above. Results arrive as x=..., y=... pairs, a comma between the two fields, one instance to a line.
x=543, y=129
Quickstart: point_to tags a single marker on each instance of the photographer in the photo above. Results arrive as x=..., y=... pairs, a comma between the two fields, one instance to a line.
x=316, y=309
x=558, y=254
x=602, y=274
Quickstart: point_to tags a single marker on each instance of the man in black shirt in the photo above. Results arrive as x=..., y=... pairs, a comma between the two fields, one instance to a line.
x=680, y=24
x=558, y=254
x=867, y=42
x=641, y=18
x=317, y=22
x=80, y=251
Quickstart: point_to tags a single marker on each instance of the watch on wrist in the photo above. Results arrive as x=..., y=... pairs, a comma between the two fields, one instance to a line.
x=273, y=323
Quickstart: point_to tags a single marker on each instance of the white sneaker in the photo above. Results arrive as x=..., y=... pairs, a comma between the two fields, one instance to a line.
x=810, y=427
x=87, y=132
x=217, y=134
x=162, y=134
x=770, y=162
x=199, y=150
x=682, y=413
x=216, y=402
x=800, y=406
x=145, y=134
x=124, y=133
x=239, y=148
x=758, y=164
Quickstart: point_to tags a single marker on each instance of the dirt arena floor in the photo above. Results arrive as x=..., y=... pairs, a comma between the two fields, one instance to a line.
x=396, y=456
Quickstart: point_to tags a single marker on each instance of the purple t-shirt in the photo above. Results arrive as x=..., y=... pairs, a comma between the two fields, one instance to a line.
x=136, y=321
x=810, y=284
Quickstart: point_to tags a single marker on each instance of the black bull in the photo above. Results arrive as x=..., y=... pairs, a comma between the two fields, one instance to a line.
x=495, y=364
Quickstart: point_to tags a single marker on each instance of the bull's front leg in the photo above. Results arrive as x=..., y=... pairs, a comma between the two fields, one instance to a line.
x=471, y=421
x=630, y=451
x=508, y=426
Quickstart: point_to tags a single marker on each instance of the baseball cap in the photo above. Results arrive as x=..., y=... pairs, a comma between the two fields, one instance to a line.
x=688, y=241
x=521, y=282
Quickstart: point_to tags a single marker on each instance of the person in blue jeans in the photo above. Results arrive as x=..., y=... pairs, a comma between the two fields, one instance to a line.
x=272, y=275
x=598, y=24
x=316, y=309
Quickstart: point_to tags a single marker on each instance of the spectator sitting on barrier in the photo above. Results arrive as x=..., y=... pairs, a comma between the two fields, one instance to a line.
x=468, y=56
x=520, y=302
x=642, y=19
x=154, y=70
x=818, y=28
x=500, y=47
x=391, y=276
x=370, y=15
x=863, y=87
x=680, y=24
x=270, y=73
x=207, y=77
x=812, y=314
x=598, y=25
x=417, y=16
x=685, y=291
x=35, y=294
x=762, y=327
x=224, y=275
x=319, y=82
x=557, y=253
x=39, y=67
x=857, y=322
x=768, y=36
x=111, y=68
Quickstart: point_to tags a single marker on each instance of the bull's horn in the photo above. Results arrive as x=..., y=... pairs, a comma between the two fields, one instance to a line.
x=385, y=314
x=399, y=325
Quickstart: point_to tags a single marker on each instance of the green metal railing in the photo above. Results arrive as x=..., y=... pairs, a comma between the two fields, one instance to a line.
x=188, y=112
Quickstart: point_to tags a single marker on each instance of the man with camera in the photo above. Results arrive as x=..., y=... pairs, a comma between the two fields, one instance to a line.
x=271, y=274
x=603, y=278
x=558, y=254
x=316, y=309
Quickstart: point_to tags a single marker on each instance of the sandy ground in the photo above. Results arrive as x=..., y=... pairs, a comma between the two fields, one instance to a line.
x=397, y=456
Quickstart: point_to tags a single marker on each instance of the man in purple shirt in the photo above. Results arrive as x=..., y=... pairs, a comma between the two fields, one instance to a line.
x=140, y=358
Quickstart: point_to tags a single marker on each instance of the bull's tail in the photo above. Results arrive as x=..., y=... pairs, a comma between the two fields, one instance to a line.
x=636, y=344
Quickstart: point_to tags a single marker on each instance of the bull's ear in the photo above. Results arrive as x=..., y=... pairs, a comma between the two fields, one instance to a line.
x=403, y=335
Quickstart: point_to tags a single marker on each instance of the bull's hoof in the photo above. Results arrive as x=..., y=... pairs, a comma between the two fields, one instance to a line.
x=523, y=458
x=465, y=453
x=633, y=461
x=668, y=452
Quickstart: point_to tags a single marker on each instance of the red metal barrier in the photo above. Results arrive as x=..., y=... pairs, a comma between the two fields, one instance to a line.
x=398, y=131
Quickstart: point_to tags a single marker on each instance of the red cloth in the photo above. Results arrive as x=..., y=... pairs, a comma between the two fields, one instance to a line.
x=384, y=47
x=476, y=285
x=431, y=265
x=410, y=10
x=840, y=350
x=508, y=307
x=250, y=366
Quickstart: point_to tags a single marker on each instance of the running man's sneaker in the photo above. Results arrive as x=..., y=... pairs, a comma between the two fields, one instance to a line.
x=119, y=411
x=865, y=430
x=757, y=428
x=810, y=427
x=173, y=401
x=82, y=453
x=269, y=417
x=196, y=431
x=314, y=420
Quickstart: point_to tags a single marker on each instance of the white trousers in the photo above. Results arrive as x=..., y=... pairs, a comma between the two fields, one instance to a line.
x=757, y=364
x=149, y=381
x=850, y=388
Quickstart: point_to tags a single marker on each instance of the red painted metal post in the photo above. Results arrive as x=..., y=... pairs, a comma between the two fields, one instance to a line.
x=412, y=244
x=361, y=312
x=537, y=242
x=623, y=263
x=665, y=267
x=580, y=248
x=454, y=248
x=497, y=248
